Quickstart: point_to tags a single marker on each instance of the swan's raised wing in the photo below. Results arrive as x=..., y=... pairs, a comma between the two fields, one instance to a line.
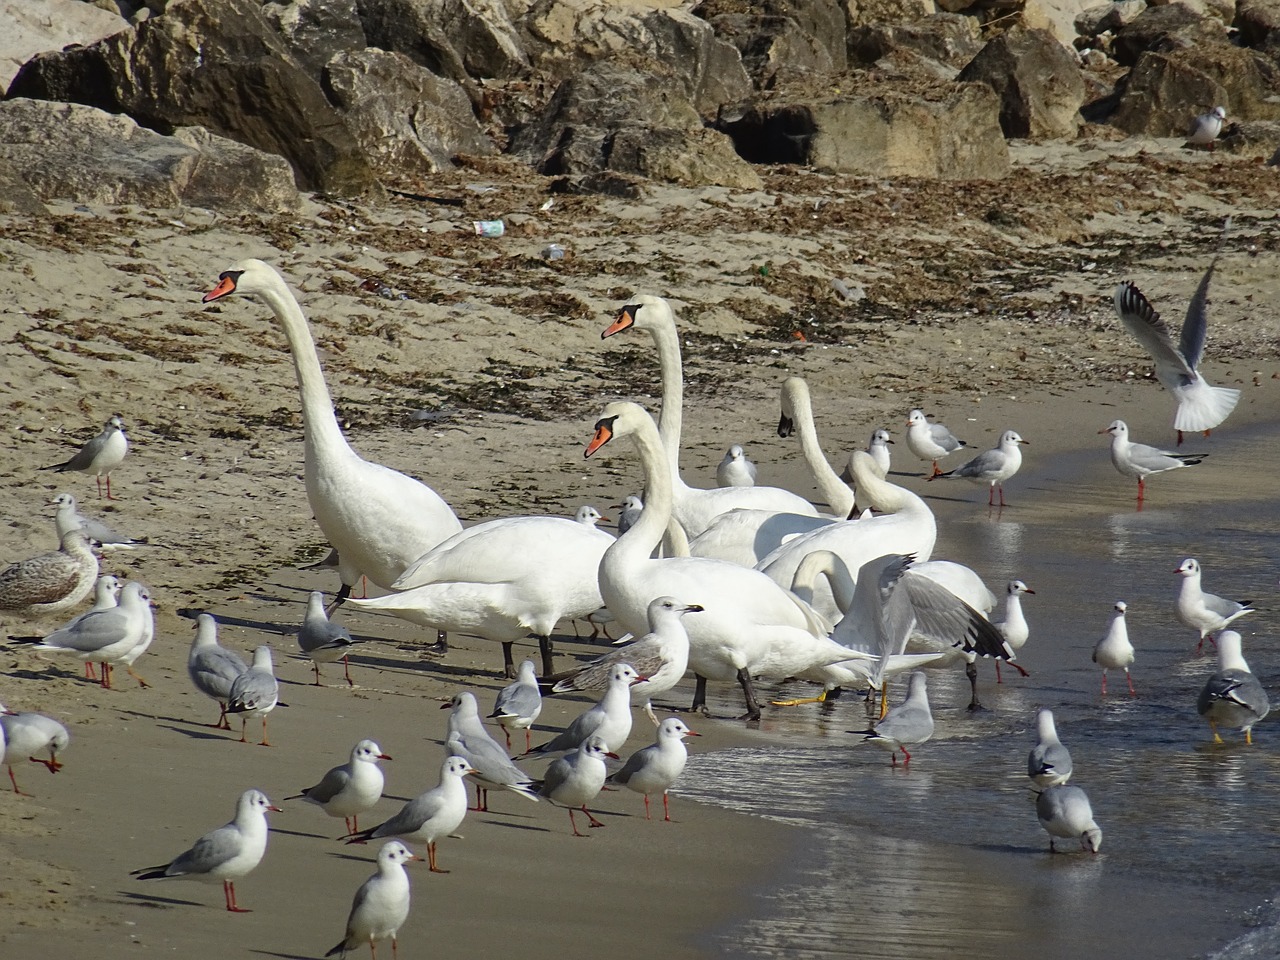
x=1142, y=321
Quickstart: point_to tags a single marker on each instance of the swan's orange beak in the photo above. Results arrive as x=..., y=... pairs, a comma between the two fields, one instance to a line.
x=226, y=285
x=626, y=317
x=604, y=433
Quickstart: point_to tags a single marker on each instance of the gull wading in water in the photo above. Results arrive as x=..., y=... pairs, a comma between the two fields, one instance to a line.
x=1064, y=811
x=1232, y=697
x=1014, y=627
x=930, y=441
x=381, y=904
x=100, y=455
x=1140, y=460
x=908, y=724
x=1204, y=612
x=1049, y=762
x=992, y=467
x=1200, y=405
x=1114, y=651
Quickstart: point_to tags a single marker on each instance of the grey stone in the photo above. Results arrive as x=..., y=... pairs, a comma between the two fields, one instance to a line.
x=1038, y=82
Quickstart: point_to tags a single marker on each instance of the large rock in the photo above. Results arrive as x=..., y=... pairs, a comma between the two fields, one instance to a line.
x=1164, y=28
x=948, y=38
x=1037, y=80
x=951, y=133
x=1258, y=22
x=777, y=39
x=16, y=196
x=317, y=30
x=409, y=122
x=65, y=151
x=1164, y=92
x=1058, y=17
x=1108, y=17
x=898, y=11
x=33, y=26
x=218, y=64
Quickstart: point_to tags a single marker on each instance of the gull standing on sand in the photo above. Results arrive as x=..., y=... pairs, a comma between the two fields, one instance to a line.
x=661, y=656
x=24, y=734
x=429, y=816
x=106, y=594
x=322, y=640
x=1064, y=811
x=51, y=582
x=100, y=455
x=106, y=636
x=466, y=737
x=1014, y=627
x=255, y=693
x=1114, y=651
x=213, y=668
x=1206, y=127
x=908, y=724
x=68, y=517
x=1200, y=405
x=609, y=719
x=656, y=767
x=577, y=778
x=381, y=905
x=1202, y=611
x=1049, y=762
x=736, y=470
x=1140, y=460
x=350, y=789
x=1232, y=697
x=992, y=467
x=227, y=853
x=930, y=441
x=519, y=704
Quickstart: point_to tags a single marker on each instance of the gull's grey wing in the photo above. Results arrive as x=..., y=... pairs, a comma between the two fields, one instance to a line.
x=1141, y=320
x=333, y=783
x=517, y=700
x=209, y=852
x=93, y=631
x=941, y=615
x=1196, y=326
x=411, y=816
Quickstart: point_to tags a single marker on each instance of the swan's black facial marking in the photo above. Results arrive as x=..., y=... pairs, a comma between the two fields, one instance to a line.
x=785, y=426
x=227, y=281
x=603, y=434
x=625, y=319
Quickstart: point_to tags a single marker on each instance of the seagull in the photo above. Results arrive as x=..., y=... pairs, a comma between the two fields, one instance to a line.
x=466, y=737
x=661, y=656
x=908, y=724
x=992, y=467
x=519, y=704
x=100, y=455
x=350, y=789
x=322, y=640
x=930, y=441
x=736, y=470
x=656, y=767
x=227, y=853
x=106, y=636
x=68, y=517
x=51, y=582
x=577, y=778
x=106, y=594
x=609, y=719
x=1014, y=627
x=1232, y=696
x=429, y=816
x=1064, y=811
x=1206, y=127
x=22, y=735
x=1200, y=405
x=1203, y=611
x=878, y=447
x=601, y=618
x=589, y=515
x=255, y=693
x=212, y=667
x=1114, y=651
x=629, y=511
x=1140, y=460
x=1049, y=762
x=381, y=905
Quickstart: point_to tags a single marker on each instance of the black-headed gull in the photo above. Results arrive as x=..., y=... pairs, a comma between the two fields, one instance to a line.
x=1206, y=127
x=609, y=719
x=1114, y=651
x=629, y=511
x=466, y=737
x=577, y=778
x=736, y=469
x=106, y=594
x=100, y=455
x=429, y=816
x=1064, y=811
x=322, y=640
x=930, y=441
x=255, y=693
x=1204, y=612
x=212, y=667
x=51, y=582
x=1232, y=697
x=349, y=789
x=68, y=517
x=1141, y=460
x=24, y=734
x=878, y=447
x=519, y=703
x=908, y=724
x=1049, y=762
x=106, y=636
x=226, y=854
x=992, y=467
x=1014, y=627
x=653, y=769
x=381, y=904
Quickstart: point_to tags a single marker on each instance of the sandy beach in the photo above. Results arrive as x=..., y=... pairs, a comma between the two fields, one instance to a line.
x=988, y=306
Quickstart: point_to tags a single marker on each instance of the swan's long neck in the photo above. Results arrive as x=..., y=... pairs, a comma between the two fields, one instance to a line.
x=834, y=490
x=828, y=564
x=320, y=427
x=671, y=419
x=879, y=493
x=646, y=533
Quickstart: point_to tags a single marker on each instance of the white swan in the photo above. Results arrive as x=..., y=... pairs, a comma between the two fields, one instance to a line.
x=749, y=625
x=694, y=509
x=503, y=580
x=908, y=526
x=379, y=520
x=797, y=416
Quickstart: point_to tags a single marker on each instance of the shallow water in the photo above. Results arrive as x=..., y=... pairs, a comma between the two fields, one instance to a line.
x=946, y=858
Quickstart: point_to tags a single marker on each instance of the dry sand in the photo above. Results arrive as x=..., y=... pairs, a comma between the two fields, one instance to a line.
x=988, y=298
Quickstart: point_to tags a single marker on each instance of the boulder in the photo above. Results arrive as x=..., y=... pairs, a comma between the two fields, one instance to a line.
x=409, y=122
x=1108, y=17
x=66, y=151
x=316, y=30
x=1258, y=22
x=33, y=26
x=1223, y=11
x=1251, y=138
x=218, y=64
x=776, y=39
x=1058, y=17
x=945, y=37
x=899, y=11
x=951, y=131
x=1164, y=28
x=1164, y=92
x=1037, y=80
x=15, y=195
